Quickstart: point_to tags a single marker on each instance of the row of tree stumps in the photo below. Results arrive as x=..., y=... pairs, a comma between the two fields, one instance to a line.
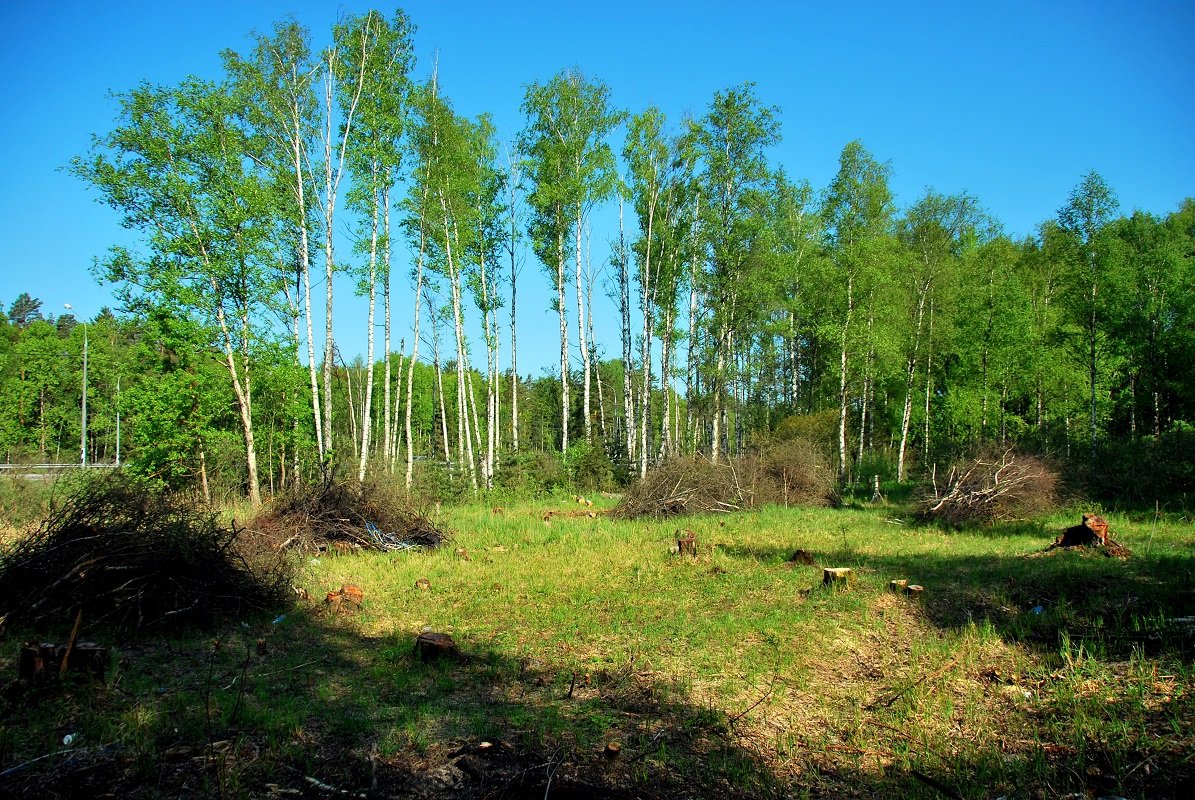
x=834, y=577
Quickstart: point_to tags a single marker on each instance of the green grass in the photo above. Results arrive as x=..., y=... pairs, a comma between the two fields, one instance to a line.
x=734, y=673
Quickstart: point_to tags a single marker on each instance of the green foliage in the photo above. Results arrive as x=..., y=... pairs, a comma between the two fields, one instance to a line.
x=1150, y=469
x=532, y=474
x=589, y=467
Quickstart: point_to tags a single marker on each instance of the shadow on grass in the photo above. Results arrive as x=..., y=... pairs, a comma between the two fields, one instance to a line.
x=310, y=708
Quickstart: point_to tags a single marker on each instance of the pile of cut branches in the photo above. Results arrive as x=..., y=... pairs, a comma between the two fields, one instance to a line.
x=992, y=487
x=129, y=556
x=793, y=473
x=335, y=514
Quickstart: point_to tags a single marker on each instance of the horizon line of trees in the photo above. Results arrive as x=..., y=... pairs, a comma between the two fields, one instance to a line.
x=751, y=307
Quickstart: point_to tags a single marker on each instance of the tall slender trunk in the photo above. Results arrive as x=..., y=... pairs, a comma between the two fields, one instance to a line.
x=929, y=378
x=666, y=443
x=388, y=453
x=564, y=400
x=624, y=302
x=910, y=371
x=512, y=205
x=332, y=178
x=463, y=384
x=582, y=339
x=367, y=410
x=842, y=375
x=305, y=274
x=691, y=377
x=514, y=356
x=648, y=304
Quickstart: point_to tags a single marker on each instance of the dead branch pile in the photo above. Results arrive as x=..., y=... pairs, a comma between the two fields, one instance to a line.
x=335, y=515
x=992, y=488
x=792, y=473
x=130, y=556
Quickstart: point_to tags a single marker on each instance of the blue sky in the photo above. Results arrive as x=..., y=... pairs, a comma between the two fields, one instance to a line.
x=1012, y=102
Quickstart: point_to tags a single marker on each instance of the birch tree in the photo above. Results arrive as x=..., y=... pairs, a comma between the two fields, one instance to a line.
x=374, y=160
x=1088, y=210
x=178, y=168
x=730, y=142
x=572, y=169
x=857, y=212
x=276, y=84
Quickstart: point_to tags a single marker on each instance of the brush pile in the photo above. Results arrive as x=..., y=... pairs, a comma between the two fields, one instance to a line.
x=130, y=556
x=991, y=488
x=793, y=473
x=334, y=516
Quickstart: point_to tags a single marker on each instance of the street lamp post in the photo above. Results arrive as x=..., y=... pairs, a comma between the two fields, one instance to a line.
x=83, y=424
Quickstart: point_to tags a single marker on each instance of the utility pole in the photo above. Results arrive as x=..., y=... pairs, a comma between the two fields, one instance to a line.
x=83, y=418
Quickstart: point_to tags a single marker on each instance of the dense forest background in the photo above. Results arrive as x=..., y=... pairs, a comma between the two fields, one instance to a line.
x=751, y=306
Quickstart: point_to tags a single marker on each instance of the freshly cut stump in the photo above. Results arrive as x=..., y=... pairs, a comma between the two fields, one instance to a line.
x=898, y=585
x=687, y=544
x=914, y=591
x=836, y=576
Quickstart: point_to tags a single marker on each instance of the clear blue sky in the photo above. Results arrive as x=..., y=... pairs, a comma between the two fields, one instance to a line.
x=1012, y=102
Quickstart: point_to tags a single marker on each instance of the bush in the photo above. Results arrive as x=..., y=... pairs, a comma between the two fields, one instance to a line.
x=795, y=472
x=531, y=474
x=992, y=487
x=589, y=467
x=1153, y=468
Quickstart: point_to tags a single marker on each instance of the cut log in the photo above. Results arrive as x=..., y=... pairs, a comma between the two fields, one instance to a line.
x=836, y=576
x=436, y=646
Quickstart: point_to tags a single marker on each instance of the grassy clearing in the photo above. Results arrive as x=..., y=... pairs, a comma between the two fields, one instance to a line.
x=734, y=673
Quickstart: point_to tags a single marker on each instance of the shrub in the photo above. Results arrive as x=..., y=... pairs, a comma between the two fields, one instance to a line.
x=532, y=473
x=589, y=467
x=1147, y=469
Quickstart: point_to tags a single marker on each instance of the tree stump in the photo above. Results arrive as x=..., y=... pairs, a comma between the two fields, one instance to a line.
x=436, y=646
x=914, y=591
x=687, y=544
x=1093, y=530
x=347, y=592
x=897, y=585
x=836, y=576
x=612, y=750
x=423, y=584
